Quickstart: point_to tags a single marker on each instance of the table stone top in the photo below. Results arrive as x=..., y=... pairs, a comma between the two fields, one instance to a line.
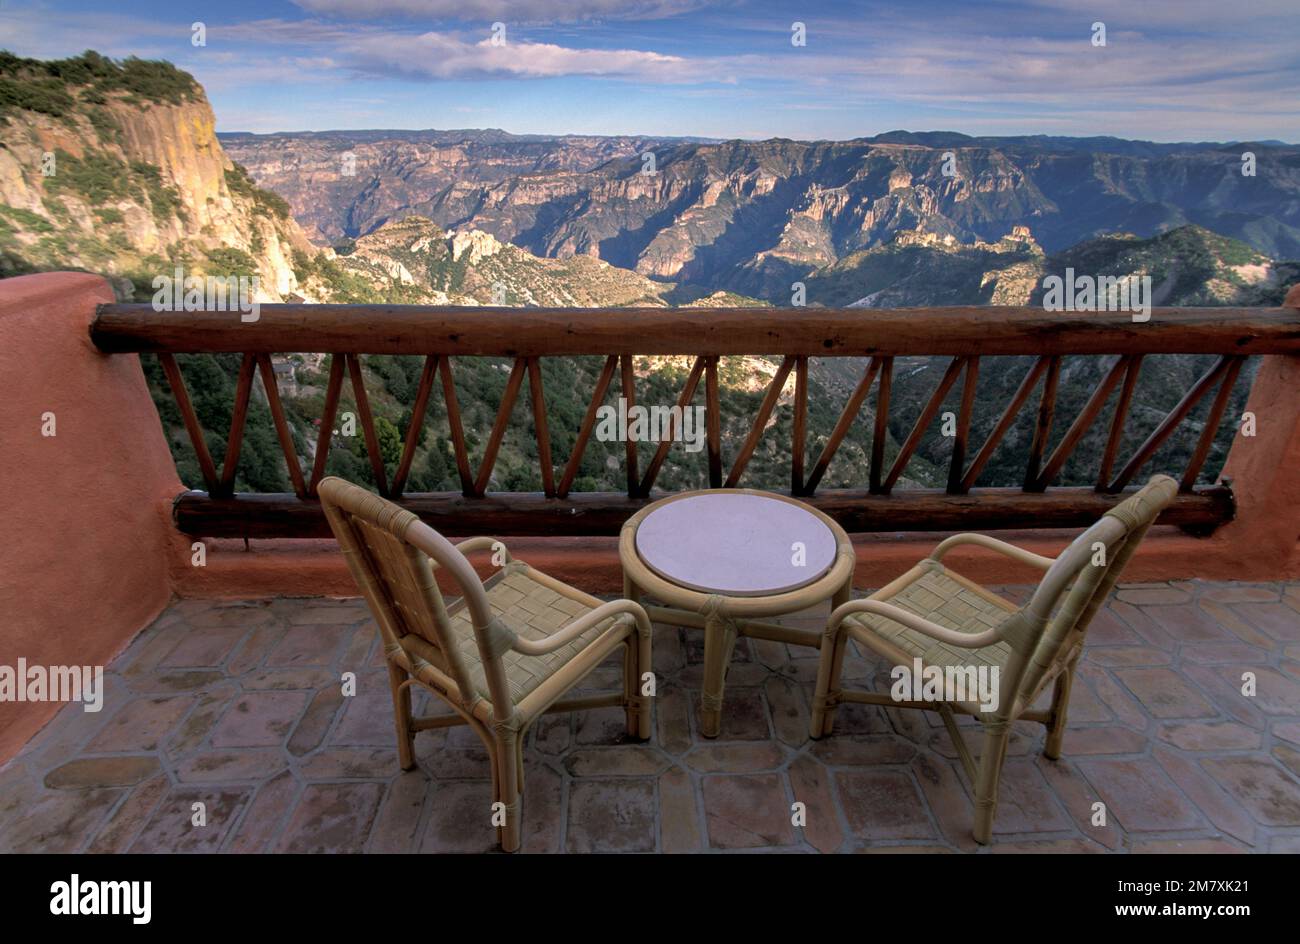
x=735, y=544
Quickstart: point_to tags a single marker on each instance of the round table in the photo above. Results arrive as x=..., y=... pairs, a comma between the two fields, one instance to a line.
x=723, y=559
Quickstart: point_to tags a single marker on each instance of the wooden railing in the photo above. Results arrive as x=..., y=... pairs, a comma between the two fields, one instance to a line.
x=528, y=334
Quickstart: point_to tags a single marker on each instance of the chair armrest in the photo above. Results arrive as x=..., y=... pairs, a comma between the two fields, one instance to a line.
x=540, y=647
x=483, y=543
x=993, y=544
x=912, y=621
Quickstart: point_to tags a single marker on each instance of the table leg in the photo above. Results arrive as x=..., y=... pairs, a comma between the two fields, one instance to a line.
x=834, y=661
x=719, y=640
x=843, y=595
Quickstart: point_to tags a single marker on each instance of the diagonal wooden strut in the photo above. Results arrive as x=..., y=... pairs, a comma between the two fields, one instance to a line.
x=588, y=424
x=923, y=422
x=842, y=425
x=760, y=421
x=507, y=407
x=683, y=403
x=267, y=371
x=1171, y=421
x=192, y=425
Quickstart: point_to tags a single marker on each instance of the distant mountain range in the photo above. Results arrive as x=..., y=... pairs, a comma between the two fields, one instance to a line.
x=748, y=216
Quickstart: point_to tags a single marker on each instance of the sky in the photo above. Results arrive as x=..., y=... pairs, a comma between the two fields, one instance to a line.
x=1170, y=70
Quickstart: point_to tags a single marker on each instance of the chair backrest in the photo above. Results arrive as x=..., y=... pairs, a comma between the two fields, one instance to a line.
x=1047, y=632
x=392, y=554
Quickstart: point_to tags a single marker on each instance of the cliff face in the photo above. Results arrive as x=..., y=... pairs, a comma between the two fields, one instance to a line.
x=118, y=182
x=1188, y=266
x=414, y=261
x=346, y=184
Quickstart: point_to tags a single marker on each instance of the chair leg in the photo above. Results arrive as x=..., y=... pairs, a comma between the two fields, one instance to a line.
x=509, y=787
x=1060, y=709
x=986, y=783
x=829, y=667
x=402, y=715
x=636, y=662
x=644, y=664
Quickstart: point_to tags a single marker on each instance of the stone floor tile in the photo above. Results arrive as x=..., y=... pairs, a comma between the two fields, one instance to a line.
x=1078, y=798
x=542, y=827
x=179, y=825
x=123, y=770
x=1046, y=847
x=1268, y=793
x=1186, y=847
x=736, y=758
x=259, y=719
x=269, y=809
x=624, y=760
x=1215, y=805
x=129, y=817
x=1211, y=736
x=397, y=824
x=744, y=716
x=57, y=821
x=810, y=783
x=309, y=645
x=1151, y=595
x=611, y=816
x=353, y=763
x=142, y=724
x=1187, y=622
x=1102, y=739
x=230, y=766
x=204, y=646
x=310, y=730
x=679, y=813
x=1277, y=620
x=1026, y=804
x=1165, y=694
x=863, y=751
x=1139, y=795
x=332, y=818
x=747, y=811
x=788, y=708
x=1240, y=592
x=883, y=804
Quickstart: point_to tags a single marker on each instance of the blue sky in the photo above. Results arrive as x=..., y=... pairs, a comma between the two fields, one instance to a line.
x=1171, y=70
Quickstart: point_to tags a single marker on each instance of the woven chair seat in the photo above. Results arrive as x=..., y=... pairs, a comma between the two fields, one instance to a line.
x=532, y=611
x=935, y=596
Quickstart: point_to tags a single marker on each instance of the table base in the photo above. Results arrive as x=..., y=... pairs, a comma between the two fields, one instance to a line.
x=720, y=635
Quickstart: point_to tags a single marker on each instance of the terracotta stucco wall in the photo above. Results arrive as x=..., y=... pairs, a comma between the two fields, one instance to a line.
x=83, y=559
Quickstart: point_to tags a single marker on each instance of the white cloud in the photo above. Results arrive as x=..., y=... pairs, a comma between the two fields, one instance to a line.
x=385, y=53
x=436, y=56
x=514, y=11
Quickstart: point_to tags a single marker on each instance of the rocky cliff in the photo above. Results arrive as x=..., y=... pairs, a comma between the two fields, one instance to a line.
x=115, y=168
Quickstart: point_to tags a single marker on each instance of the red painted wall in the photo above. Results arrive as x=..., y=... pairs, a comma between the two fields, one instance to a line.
x=86, y=516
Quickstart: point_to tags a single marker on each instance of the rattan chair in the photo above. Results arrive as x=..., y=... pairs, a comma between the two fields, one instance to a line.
x=501, y=655
x=946, y=621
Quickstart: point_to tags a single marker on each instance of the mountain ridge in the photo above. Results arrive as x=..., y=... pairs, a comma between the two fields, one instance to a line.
x=717, y=209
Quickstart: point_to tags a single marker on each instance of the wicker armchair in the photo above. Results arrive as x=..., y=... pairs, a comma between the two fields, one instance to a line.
x=944, y=620
x=501, y=655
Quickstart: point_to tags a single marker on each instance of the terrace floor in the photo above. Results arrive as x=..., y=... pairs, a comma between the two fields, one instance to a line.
x=238, y=705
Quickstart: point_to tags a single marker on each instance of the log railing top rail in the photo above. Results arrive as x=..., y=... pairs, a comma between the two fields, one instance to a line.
x=803, y=332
